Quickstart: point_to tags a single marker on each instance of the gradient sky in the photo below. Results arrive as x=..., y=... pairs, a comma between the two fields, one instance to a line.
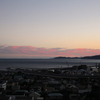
x=48, y=28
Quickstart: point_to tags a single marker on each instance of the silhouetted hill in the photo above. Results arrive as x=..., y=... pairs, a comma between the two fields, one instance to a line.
x=60, y=57
x=91, y=57
x=85, y=57
x=66, y=57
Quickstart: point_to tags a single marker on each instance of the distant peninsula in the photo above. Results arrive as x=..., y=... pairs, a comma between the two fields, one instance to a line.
x=92, y=57
x=66, y=57
x=60, y=57
x=85, y=57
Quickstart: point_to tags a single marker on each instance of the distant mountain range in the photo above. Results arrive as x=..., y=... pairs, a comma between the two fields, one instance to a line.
x=85, y=57
x=92, y=57
x=66, y=57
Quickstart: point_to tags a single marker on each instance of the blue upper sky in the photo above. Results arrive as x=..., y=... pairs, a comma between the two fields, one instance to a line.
x=66, y=24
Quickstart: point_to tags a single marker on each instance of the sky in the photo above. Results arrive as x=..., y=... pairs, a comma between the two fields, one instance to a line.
x=49, y=28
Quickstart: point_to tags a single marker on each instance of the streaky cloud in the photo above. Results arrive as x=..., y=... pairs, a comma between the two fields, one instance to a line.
x=50, y=52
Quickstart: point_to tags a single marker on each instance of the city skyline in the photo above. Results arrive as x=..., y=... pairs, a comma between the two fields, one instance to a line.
x=40, y=29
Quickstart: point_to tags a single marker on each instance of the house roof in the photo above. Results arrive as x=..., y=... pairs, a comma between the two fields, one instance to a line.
x=55, y=94
x=23, y=98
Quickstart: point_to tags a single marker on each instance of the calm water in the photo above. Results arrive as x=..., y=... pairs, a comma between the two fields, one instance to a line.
x=44, y=63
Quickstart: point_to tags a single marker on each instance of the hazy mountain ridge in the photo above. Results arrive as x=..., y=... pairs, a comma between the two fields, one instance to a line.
x=92, y=57
x=85, y=57
x=66, y=58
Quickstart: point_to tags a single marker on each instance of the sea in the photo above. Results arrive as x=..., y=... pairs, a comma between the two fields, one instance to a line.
x=45, y=63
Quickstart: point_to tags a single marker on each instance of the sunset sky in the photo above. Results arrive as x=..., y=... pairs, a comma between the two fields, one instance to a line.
x=49, y=28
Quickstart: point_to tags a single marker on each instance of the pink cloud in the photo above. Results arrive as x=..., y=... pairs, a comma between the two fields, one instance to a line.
x=51, y=52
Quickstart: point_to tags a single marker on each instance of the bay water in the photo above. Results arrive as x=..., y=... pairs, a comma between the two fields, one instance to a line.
x=45, y=63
